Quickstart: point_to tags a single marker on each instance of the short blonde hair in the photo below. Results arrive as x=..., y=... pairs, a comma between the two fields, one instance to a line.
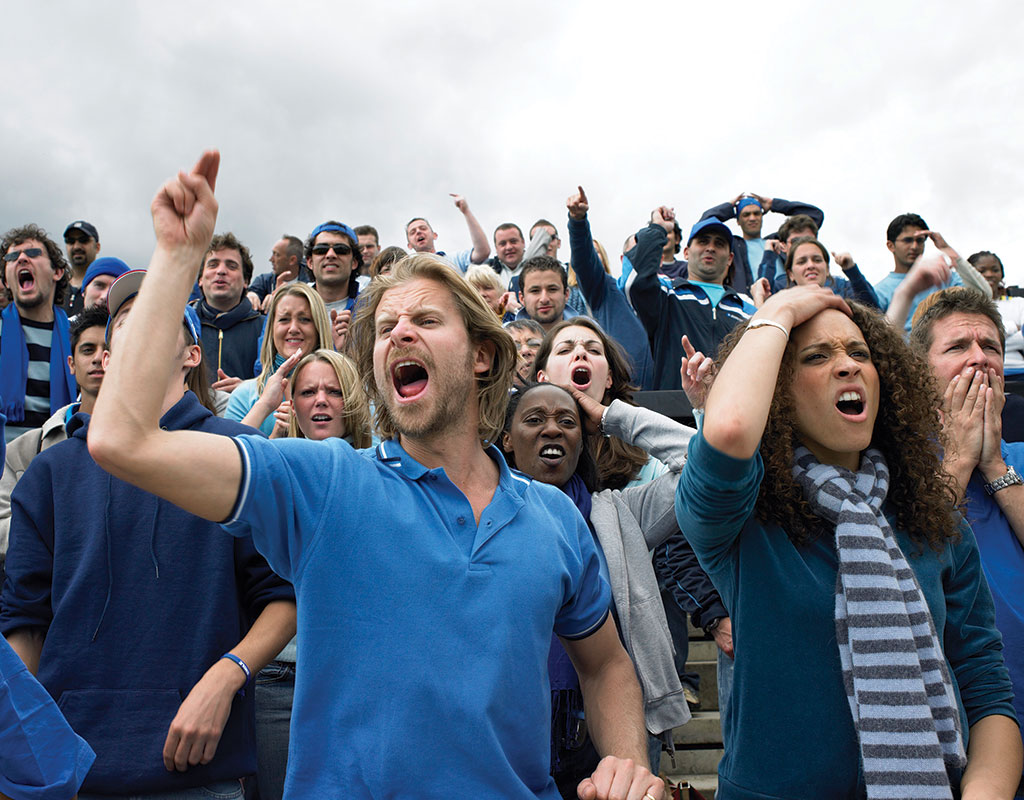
x=482, y=326
x=481, y=277
x=321, y=320
x=356, y=412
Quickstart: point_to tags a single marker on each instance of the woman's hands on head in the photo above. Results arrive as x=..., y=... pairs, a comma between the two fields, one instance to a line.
x=796, y=305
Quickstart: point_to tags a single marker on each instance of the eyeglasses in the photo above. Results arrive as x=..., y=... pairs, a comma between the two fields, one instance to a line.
x=532, y=344
x=912, y=239
x=77, y=240
x=339, y=248
x=30, y=252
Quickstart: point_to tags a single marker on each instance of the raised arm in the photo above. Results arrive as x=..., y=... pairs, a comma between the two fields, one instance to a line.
x=124, y=435
x=481, y=247
x=723, y=212
x=793, y=207
x=863, y=292
x=590, y=275
x=643, y=288
x=928, y=271
x=737, y=406
x=968, y=274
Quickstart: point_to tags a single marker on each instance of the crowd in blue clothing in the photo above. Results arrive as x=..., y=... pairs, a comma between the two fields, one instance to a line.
x=86, y=577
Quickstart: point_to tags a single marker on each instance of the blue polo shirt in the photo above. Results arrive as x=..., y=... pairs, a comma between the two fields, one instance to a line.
x=416, y=621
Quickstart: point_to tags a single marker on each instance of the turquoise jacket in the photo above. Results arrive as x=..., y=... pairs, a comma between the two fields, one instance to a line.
x=788, y=730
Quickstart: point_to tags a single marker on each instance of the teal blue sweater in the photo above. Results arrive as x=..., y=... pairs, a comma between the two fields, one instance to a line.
x=788, y=730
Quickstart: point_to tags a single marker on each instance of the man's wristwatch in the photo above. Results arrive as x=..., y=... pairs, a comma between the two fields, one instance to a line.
x=1011, y=478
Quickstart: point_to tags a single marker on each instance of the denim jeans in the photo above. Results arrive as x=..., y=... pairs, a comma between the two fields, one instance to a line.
x=725, y=665
x=676, y=619
x=275, y=689
x=221, y=790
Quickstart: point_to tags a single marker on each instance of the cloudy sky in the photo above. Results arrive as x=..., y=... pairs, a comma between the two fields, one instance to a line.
x=374, y=112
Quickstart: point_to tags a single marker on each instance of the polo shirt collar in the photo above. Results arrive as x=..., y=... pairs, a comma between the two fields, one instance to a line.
x=391, y=453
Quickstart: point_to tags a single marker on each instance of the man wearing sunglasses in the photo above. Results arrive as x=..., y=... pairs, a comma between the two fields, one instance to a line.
x=332, y=252
x=906, y=238
x=35, y=339
x=83, y=245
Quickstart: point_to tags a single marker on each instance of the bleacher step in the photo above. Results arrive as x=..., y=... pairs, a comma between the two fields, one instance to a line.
x=705, y=728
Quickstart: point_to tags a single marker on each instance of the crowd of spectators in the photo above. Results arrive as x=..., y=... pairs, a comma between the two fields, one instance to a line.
x=257, y=529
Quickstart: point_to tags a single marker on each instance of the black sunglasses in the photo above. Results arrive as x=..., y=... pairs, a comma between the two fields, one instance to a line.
x=77, y=240
x=31, y=252
x=339, y=248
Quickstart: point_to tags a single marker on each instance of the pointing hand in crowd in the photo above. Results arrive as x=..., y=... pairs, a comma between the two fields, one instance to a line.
x=844, y=260
x=578, y=205
x=460, y=202
x=696, y=373
x=760, y=290
x=224, y=382
x=185, y=210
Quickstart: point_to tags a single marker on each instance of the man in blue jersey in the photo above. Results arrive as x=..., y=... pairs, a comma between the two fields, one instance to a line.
x=428, y=605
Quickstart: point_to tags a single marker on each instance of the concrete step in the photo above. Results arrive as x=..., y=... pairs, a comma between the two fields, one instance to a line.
x=702, y=650
x=705, y=728
x=708, y=672
x=702, y=761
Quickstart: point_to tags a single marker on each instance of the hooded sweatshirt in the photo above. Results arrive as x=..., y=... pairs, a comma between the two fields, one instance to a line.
x=231, y=339
x=138, y=599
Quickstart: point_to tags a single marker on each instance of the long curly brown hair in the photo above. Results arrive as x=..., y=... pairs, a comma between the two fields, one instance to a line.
x=908, y=432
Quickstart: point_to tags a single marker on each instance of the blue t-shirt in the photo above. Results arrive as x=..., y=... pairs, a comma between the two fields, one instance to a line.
x=715, y=291
x=412, y=617
x=755, y=252
x=887, y=287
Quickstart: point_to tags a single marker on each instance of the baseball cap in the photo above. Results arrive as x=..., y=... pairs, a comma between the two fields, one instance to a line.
x=709, y=225
x=85, y=227
x=127, y=286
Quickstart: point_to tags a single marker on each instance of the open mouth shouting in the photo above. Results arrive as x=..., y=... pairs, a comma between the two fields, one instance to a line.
x=26, y=280
x=851, y=405
x=580, y=377
x=552, y=455
x=409, y=378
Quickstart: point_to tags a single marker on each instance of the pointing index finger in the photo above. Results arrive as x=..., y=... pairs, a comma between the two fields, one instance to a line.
x=207, y=167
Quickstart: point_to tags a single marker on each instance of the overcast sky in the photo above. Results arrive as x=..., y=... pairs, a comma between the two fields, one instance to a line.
x=372, y=113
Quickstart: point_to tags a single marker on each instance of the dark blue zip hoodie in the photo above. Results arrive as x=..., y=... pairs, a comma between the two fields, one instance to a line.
x=138, y=599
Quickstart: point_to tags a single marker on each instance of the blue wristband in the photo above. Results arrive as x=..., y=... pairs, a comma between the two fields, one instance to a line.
x=242, y=666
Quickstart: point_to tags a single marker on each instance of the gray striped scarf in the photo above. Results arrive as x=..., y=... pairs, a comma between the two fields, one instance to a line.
x=901, y=697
